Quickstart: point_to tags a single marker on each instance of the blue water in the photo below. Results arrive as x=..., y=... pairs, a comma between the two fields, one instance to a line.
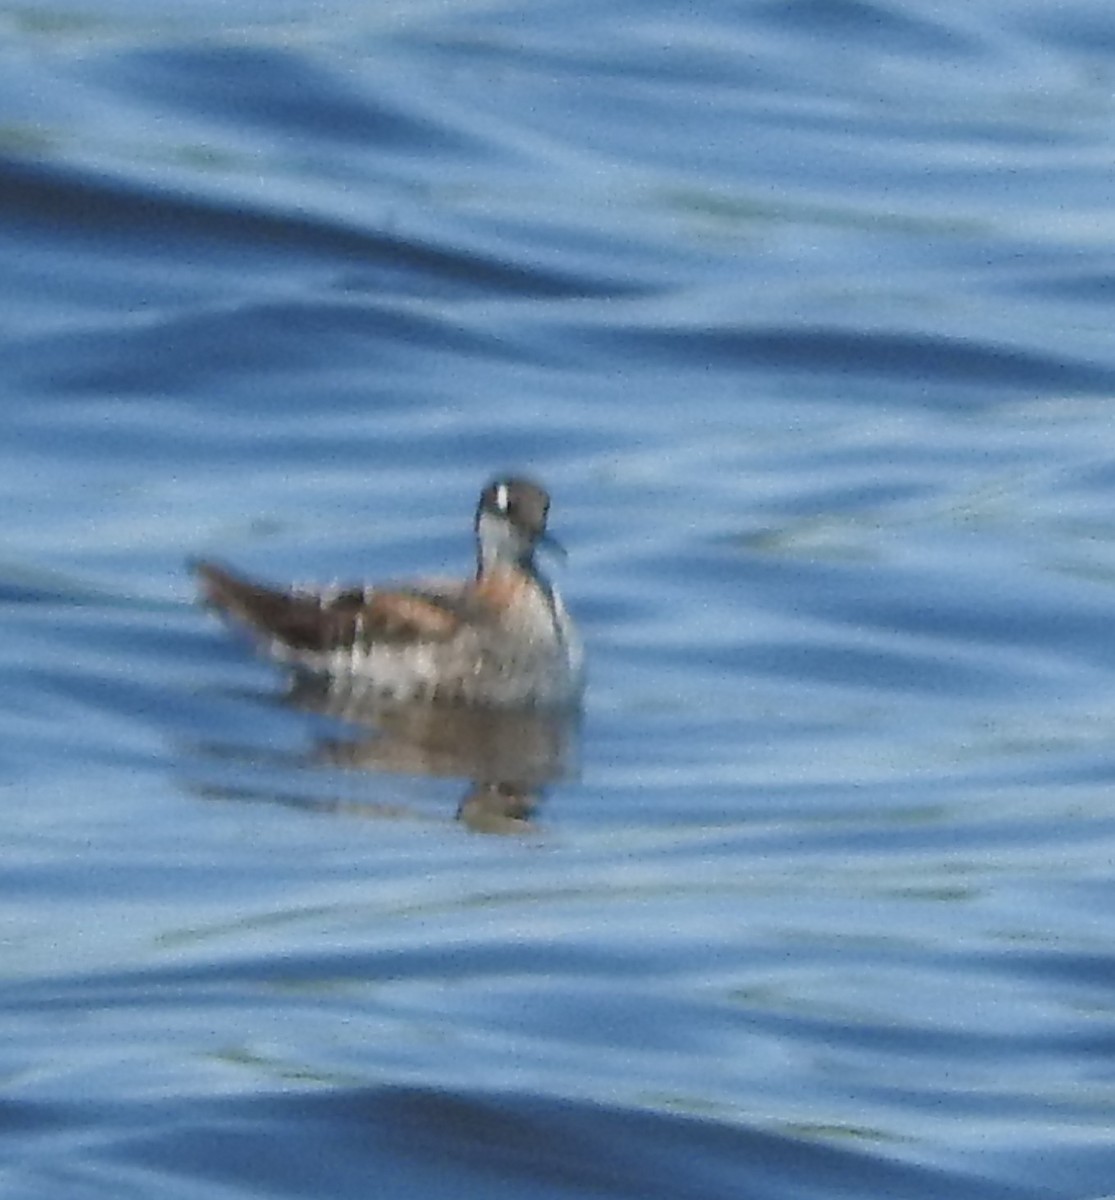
x=803, y=311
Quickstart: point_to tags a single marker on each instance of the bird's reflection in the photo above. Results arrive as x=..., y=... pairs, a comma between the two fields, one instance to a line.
x=509, y=756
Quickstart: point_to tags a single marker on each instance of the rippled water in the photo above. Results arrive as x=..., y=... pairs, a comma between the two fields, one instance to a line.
x=803, y=312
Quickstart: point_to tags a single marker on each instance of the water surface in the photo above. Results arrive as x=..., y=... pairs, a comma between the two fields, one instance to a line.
x=802, y=311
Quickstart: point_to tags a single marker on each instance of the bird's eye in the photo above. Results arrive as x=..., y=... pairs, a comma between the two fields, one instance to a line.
x=502, y=499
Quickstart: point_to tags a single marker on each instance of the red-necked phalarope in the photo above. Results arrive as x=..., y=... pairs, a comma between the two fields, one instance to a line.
x=502, y=639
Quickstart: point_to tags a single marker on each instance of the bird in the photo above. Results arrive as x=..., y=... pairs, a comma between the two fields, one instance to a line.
x=502, y=639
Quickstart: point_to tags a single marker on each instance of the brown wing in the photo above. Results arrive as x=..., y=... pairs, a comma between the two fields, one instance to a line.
x=323, y=621
x=410, y=616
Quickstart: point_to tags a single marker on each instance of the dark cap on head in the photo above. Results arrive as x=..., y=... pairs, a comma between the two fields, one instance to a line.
x=519, y=501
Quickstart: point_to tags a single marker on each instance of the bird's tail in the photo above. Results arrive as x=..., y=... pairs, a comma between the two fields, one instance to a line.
x=272, y=613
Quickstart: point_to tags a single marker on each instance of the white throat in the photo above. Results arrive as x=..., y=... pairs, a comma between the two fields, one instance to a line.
x=502, y=544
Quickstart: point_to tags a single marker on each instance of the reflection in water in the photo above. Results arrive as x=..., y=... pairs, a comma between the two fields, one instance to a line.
x=508, y=755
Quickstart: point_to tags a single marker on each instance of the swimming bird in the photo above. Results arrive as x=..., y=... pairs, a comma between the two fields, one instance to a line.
x=502, y=638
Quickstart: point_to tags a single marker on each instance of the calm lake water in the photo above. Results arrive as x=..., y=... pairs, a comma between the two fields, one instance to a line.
x=803, y=310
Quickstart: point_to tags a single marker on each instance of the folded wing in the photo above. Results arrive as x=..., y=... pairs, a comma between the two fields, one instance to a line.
x=324, y=621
